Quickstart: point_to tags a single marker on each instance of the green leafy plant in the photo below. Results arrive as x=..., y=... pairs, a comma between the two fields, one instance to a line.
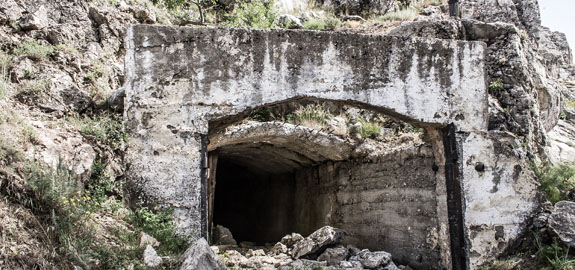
x=369, y=129
x=158, y=223
x=496, y=85
x=105, y=128
x=558, y=182
x=554, y=255
x=322, y=24
x=5, y=64
x=569, y=103
x=34, y=50
x=310, y=114
x=35, y=87
x=97, y=70
x=261, y=115
x=253, y=14
x=8, y=153
x=405, y=14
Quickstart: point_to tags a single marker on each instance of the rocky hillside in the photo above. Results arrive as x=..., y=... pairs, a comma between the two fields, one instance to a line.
x=62, y=203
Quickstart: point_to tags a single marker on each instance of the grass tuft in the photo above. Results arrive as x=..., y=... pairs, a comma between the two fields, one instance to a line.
x=34, y=50
x=558, y=182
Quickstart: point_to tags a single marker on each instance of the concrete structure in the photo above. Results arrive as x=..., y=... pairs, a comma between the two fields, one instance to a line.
x=183, y=84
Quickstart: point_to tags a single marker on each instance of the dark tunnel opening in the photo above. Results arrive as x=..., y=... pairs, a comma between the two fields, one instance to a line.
x=255, y=193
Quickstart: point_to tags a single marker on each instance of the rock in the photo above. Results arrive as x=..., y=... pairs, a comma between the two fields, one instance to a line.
x=562, y=222
x=257, y=252
x=333, y=256
x=303, y=264
x=151, y=258
x=390, y=266
x=291, y=239
x=223, y=236
x=147, y=240
x=354, y=18
x=97, y=16
x=352, y=265
x=279, y=248
x=289, y=21
x=144, y=15
x=200, y=256
x=352, y=250
x=34, y=21
x=317, y=241
x=372, y=260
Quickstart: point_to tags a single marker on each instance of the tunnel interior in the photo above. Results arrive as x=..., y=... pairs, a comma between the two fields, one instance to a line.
x=255, y=193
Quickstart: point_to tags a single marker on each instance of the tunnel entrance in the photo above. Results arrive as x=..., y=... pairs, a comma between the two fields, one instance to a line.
x=376, y=178
x=254, y=193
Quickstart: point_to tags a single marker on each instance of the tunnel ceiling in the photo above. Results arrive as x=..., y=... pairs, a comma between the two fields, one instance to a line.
x=296, y=144
x=264, y=158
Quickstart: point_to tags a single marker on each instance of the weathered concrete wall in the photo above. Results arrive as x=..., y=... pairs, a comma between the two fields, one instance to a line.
x=389, y=204
x=179, y=80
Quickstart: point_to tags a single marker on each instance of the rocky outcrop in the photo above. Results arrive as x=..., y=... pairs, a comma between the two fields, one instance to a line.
x=317, y=241
x=562, y=222
x=200, y=256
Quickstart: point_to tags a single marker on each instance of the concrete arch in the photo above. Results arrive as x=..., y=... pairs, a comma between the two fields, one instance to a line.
x=180, y=79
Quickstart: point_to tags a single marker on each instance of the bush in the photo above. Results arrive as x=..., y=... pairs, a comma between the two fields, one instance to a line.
x=569, y=103
x=35, y=88
x=313, y=113
x=369, y=129
x=406, y=14
x=34, y=50
x=554, y=255
x=158, y=223
x=496, y=85
x=322, y=24
x=105, y=128
x=253, y=14
x=558, y=182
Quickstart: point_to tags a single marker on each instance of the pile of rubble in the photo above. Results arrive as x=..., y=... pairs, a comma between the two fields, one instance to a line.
x=322, y=249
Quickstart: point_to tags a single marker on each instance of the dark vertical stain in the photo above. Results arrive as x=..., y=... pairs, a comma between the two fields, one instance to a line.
x=454, y=199
x=204, y=141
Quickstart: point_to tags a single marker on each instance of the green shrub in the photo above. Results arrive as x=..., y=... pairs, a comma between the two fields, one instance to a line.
x=569, y=103
x=405, y=14
x=312, y=113
x=261, y=115
x=558, y=182
x=496, y=85
x=253, y=14
x=158, y=223
x=8, y=153
x=322, y=24
x=509, y=264
x=105, y=128
x=34, y=50
x=70, y=205
x=5, y=64
x=35, y=88
x=96, y=71
x=4, y=88
x=369, y=129
x=555, y=255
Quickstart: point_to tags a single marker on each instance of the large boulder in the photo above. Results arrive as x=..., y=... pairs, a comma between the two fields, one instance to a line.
x=291, y=239
x=562, y=222
x=317, y=241
x=151, y=258
x=333, y=256
x=223, y=236
x=200, y=256
x=372, y=260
